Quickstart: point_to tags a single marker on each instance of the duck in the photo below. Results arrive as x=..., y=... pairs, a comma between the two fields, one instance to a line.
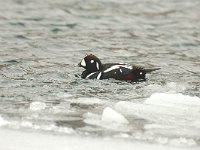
x=95, y=69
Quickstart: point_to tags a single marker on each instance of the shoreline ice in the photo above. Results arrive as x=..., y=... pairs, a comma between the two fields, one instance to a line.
x=24, y=140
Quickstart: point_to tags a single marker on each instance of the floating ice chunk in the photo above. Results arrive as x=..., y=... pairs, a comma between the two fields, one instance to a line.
x=135, y=109
x=166, y=99
x=35, y=106
x=109, y=119
x=93, y=119
x=164, y=108
x=182, y=141
x=162, y=104
x=110, y=115
x=3, y=122
x=173, y=114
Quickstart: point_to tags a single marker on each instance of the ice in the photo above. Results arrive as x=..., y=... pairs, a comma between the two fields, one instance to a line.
x=35, y=106
x=161, y=106
x=21, y=140
x=110, y=115
x=25, y=124
x=172, y=100
x=3, y=122
x=167, y=114
x=109, y=119
x=182, y=141
x=87, y=101
x=91, y=116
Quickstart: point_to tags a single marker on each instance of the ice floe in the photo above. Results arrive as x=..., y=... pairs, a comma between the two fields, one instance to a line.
x=21, y=140
x=109, y=119
x=25, y=124
x=35, y=106
x=110, y=115
x=166, y=113
x=3, y=122
x=170, y=99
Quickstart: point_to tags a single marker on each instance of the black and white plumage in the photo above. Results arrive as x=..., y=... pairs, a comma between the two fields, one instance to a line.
x=94, y=69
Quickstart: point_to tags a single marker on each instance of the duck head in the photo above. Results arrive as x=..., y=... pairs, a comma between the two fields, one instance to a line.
x=91, y=63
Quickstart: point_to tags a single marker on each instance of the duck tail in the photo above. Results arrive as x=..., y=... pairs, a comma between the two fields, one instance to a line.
x=151, y=70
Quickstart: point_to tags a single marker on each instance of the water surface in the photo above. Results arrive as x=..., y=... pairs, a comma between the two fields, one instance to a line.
x=41, y=43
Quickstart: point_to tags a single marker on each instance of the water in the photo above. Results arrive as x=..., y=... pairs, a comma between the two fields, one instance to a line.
x=41, y=43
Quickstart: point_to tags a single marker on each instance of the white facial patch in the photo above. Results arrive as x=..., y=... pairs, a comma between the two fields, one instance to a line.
x=92, y=61
x=97, y=65
x=140, y=73
x=83, y=63
x=99, y=75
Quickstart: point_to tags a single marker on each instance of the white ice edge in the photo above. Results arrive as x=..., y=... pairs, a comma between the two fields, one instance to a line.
x=168, y=99
x=112, y=116
x=166, y=113
x=163, y=104
x=30, y=125
x=109, y=119
x=21, y=140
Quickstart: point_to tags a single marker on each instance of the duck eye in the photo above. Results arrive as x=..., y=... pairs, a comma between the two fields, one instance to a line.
x=92, y=61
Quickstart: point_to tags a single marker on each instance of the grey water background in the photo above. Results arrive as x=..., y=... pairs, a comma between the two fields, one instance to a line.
x=42, y=41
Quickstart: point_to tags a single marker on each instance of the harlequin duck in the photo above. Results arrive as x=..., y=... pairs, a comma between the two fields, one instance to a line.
x=94, y=69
